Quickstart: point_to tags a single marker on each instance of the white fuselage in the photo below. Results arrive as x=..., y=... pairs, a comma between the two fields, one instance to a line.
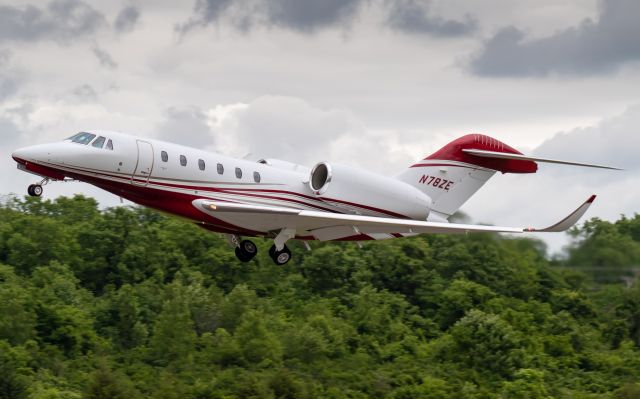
x=154, y=173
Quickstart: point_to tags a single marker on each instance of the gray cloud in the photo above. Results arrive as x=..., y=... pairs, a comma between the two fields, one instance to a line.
x=299, y=15
x=309, y=16
x=60, y=20
x=9, y=79
x=412, y=16
x=105, y=58
x=85, y=92
x=613, y=141
x=187, y=126
x=593, y=47
x=127, y=19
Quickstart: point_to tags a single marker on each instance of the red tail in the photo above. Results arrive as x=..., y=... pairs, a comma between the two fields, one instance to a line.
x=453, y=152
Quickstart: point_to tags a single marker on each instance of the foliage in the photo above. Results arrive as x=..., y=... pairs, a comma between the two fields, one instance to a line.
x=126, y=302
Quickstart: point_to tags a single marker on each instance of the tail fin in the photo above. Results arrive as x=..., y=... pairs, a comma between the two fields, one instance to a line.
x=450, y=176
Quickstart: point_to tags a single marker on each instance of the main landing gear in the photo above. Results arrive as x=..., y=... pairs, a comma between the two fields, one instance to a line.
x=246, y=250
x=279, y=252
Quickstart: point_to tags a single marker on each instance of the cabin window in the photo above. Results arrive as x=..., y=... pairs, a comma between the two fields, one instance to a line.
x=201, y=164
x=183, y=160
x=164, y=156
x=256, y=177
x=99, y=142
x=239, y=173
x=83, y=138
x=109, y=145
x=220, y=169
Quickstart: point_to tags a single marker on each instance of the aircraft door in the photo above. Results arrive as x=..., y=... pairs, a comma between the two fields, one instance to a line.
x=144, y=165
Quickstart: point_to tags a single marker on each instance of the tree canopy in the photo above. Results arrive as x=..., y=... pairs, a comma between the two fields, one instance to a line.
x=126, y=302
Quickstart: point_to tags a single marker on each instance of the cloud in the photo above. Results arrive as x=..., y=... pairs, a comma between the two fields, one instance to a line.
x=310, y=16
x=127, y=19
x=186, y=126
x=591, y=48
x=85, y=93
x=105, y=58
x=613, y=141
x=9, y=78
x=411, y=16
x=298, y=15
x=60, y=20
x=280, y=127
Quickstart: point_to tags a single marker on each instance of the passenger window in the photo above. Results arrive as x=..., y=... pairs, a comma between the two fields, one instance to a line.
x=109, y=145
x=183, y=160
x=201, y=164
x=256, y=177
x=99, y=143
x=220, y=169
x=164, y=156
x=83, y=138
x=239, y=173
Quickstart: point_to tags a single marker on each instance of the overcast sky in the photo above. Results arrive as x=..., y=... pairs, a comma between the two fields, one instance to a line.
x=375, y=83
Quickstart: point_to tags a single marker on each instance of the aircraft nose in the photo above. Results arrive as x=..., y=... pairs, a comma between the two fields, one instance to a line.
x=21, y=155
x=34, y=153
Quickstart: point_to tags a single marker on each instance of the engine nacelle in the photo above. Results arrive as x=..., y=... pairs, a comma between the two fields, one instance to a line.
x=369, y=193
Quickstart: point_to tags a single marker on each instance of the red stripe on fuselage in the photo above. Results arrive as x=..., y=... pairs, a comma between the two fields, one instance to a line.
x=180, y=203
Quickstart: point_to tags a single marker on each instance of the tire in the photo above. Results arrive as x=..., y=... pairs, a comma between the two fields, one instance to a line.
x=246, y=250
x=248, y=247
x=30, y=190
x=37, y=190
x=242, y=257
x=280, y=257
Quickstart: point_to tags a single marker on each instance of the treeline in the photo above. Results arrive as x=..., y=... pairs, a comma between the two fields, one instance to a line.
x=129, y=303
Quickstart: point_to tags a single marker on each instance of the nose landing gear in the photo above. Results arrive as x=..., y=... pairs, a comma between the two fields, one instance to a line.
x=35, y=190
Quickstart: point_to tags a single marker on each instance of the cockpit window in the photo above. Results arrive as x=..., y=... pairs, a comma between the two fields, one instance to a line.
x=82, y=138
x=109, y=145
x=99, y=142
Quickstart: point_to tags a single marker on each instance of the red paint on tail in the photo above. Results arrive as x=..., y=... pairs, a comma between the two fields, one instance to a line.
x=453, y=152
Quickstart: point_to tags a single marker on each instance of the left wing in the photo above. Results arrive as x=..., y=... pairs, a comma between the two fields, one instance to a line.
x=319, y=224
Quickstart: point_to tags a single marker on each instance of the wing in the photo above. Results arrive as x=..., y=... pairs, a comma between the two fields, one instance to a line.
x=328, y=226
x=504, y=155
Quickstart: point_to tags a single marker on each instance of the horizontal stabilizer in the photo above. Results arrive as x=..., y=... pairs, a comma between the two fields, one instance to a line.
x=506, y=155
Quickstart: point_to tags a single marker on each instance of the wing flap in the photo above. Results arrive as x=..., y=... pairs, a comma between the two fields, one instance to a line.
x=520, y=157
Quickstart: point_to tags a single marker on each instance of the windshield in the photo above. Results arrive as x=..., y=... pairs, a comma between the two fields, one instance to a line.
x=82, y=138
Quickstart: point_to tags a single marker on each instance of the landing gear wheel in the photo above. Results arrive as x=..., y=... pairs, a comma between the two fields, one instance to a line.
x=280, y=257
x=246, y=251
x=34, y=190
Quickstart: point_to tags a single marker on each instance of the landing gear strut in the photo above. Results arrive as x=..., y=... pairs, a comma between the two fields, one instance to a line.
x=246, y=250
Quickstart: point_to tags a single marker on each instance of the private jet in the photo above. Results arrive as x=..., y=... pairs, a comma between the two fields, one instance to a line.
x=281, y=200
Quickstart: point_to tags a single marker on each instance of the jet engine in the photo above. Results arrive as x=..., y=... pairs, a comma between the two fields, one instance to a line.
x=371, y=194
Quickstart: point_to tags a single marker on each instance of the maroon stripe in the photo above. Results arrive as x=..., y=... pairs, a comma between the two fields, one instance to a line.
x=231, y=191
x=442, y=164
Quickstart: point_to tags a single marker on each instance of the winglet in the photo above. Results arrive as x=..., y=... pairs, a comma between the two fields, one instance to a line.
x=567, y=222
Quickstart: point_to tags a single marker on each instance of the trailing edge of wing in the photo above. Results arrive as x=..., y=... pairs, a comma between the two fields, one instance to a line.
x=504, y=155
x=304, y=220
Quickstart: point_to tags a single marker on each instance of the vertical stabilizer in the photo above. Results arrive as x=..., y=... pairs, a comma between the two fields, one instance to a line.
x=451, y=176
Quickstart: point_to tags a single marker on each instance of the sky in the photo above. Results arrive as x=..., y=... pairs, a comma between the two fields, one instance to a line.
x=374, y=83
